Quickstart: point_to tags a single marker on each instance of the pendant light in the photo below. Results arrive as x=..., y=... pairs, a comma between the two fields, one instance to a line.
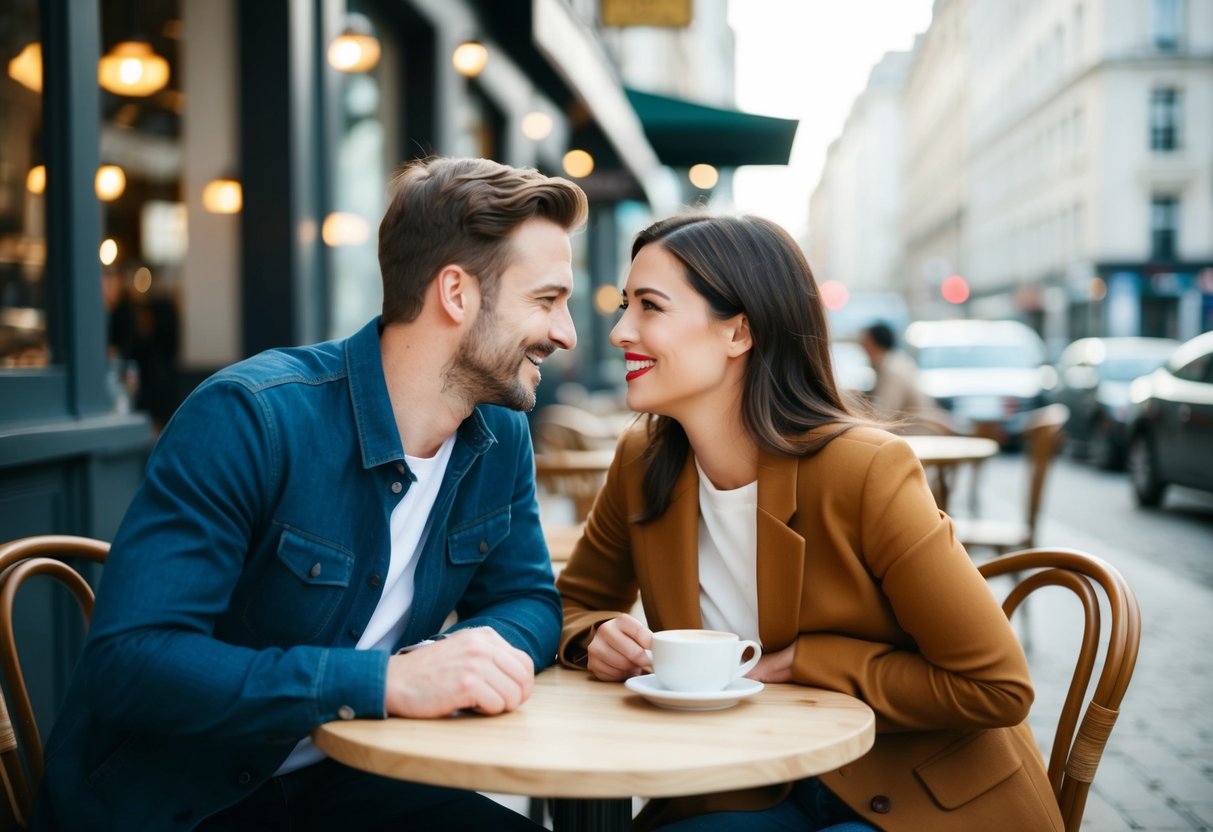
x=133, y=68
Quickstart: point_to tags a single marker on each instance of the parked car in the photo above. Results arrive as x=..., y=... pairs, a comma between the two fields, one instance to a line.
x=1171, y=425
x=852, y=371
x=987, y=372
x=1093, y=376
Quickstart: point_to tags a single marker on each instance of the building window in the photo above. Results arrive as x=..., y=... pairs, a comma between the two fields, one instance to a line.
x=1164, y=227
x=1165, y=25
x=23, y=291
x=1165, y=115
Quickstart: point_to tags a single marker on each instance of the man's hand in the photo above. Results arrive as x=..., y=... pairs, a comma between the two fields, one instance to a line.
x=474, y=668
x=617, y=649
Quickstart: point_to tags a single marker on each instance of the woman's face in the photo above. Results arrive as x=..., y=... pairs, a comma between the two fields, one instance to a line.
x=679, y=357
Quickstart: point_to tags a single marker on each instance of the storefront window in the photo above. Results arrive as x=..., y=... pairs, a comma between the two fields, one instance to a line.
x=23, y=294
x=365, y=99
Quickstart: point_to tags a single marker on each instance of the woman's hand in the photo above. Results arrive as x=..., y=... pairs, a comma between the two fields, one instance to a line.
x=617, y=649
x=775, y=667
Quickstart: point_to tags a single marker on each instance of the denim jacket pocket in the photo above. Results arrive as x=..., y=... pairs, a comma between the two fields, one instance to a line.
x=298, y=591
x=472, y=542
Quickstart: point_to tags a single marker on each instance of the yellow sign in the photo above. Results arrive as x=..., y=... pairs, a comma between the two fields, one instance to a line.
x=673, y=13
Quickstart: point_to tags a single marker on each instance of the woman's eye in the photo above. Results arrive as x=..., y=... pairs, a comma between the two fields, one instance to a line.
x=648, y=304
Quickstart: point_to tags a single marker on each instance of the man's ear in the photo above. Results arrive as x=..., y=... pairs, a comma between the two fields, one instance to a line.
x=741, y=341
x=458, y=293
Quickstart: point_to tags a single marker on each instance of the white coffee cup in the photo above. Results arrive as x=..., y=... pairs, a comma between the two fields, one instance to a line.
x=700, y=660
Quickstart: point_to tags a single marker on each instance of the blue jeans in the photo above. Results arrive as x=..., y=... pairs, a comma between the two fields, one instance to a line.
x=329, y=795
x=811, y=807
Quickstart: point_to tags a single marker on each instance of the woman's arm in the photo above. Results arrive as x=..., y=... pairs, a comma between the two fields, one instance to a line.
x=965, y=667
x=599, y=581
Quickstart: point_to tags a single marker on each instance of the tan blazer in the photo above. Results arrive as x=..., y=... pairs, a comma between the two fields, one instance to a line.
x=858, y=566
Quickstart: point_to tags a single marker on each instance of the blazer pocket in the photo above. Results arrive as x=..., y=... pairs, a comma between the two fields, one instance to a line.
x=472, y=542
x=969, y=767
x=298, y=591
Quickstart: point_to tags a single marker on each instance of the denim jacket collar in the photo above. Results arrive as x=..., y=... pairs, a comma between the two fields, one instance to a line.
x=377, y=433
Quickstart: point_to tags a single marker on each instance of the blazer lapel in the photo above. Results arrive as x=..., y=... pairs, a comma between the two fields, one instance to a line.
x=781, y=552
x=671, y=563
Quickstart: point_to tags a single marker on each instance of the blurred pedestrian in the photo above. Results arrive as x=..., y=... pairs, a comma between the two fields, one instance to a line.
x=896, y=394
x=753, y=501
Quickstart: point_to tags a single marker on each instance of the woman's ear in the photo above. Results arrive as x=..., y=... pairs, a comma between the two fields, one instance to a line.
x=741, y=341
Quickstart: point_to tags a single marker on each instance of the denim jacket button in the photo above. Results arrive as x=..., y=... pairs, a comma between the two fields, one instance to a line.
x=315, y=570
x=374, y=580
x=397, y=488
x=484, y=546
x=243, y=778
x=345, y=712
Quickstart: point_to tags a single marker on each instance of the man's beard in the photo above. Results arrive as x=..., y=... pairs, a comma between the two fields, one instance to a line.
x=484, y=371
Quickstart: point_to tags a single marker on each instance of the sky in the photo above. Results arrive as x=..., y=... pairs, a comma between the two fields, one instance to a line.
x=809, y=59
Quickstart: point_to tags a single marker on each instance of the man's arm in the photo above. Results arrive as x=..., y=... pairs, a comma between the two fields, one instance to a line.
x=154, y=660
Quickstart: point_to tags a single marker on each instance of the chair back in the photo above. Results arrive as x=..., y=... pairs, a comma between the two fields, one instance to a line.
x=20, y=742
x=565, y=427
x=1042, y=435
x=1082, y=732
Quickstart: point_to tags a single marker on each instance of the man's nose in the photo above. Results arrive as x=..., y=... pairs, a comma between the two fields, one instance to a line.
x=563, y=332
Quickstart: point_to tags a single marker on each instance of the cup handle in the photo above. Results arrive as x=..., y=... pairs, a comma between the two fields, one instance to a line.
x=753, y=660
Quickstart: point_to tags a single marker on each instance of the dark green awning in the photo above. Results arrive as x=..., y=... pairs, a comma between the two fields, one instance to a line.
x=684, y=133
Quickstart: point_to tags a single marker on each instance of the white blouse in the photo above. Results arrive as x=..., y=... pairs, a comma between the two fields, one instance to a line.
x=728, y=554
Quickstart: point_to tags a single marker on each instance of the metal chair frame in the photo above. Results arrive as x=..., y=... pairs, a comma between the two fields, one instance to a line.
x=1082, y=733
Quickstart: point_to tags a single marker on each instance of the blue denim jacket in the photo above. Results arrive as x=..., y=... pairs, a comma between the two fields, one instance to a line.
x=246, y=568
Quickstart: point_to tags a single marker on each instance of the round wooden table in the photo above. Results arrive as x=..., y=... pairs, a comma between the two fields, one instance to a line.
x=945, y=453
x=580, y=738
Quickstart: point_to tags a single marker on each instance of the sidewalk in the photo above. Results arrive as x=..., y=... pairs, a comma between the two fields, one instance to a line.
x=1157, y=770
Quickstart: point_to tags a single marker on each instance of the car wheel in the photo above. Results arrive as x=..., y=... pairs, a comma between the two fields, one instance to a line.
x=1143, y=472
x=1104, y=453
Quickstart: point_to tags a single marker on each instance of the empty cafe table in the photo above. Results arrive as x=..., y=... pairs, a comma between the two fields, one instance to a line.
x=594, y=745
x=945, y=453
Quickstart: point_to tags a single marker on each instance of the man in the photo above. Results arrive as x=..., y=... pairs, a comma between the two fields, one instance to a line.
x=311, y=511
x=896, y=394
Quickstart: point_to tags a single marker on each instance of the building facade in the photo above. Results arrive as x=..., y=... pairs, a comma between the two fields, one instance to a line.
x=1057, y=156
x=1092, y=166
x=855, y=213
x=934, y=176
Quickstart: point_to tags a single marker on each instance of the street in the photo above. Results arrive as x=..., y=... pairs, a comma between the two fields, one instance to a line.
x=1157, y=770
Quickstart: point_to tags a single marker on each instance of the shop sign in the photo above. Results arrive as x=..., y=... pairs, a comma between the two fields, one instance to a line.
x=672, y=13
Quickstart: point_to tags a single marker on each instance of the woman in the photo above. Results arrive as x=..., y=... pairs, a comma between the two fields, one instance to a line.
x=753, y=501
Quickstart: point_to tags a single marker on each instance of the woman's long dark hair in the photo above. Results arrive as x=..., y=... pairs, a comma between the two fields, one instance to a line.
x=749, y=265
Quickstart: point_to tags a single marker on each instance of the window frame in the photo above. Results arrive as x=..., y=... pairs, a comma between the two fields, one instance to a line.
x=74, y=385
x=1166, y=119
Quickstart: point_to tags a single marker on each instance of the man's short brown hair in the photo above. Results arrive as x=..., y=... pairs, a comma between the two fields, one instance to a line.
x=461, y=211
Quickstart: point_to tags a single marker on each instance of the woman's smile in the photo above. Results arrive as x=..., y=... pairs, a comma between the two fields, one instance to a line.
x=637, y=364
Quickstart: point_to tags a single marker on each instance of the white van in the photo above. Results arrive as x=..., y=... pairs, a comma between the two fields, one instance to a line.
x=988, y=372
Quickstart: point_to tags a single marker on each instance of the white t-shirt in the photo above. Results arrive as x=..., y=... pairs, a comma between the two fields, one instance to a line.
x=728, y=557
x=409, y=526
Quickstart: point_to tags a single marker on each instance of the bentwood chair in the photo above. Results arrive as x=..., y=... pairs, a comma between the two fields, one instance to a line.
x=1082, y=732
x=20, y=742
x=1042, y=437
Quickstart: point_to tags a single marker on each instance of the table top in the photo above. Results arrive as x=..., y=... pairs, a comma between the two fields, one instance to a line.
x=561, y=539
x=578, y=737
x=941, y=450
x=574, y=462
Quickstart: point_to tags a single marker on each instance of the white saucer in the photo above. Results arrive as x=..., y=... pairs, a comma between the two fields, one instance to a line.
x=652, y=690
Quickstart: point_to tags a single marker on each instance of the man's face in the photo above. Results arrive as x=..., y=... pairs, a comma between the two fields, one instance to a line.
x=525, y=321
